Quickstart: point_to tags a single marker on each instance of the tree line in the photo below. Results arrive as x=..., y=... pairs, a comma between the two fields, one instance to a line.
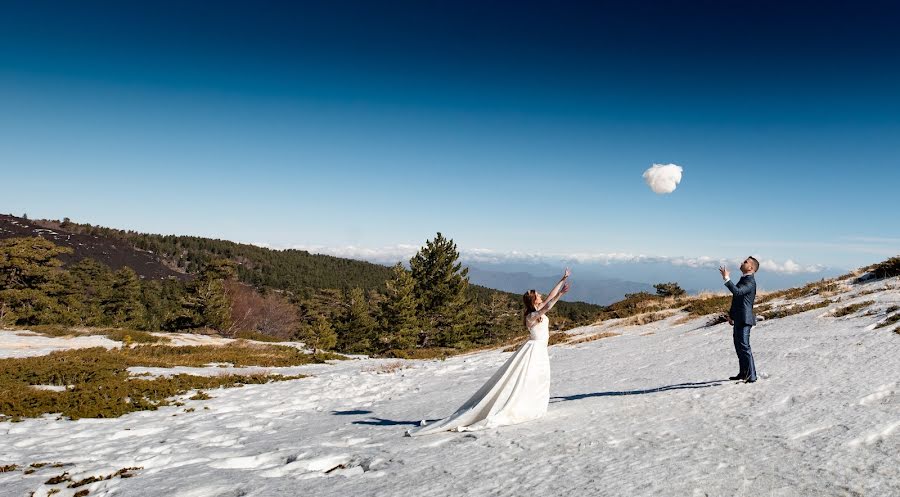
x=389, y=311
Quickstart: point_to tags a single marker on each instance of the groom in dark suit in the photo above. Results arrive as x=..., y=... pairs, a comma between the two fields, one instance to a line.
x=741, y=316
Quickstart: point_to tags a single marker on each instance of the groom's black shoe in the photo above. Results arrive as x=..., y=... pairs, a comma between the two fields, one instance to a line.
x=740, y=377
x=750, y=380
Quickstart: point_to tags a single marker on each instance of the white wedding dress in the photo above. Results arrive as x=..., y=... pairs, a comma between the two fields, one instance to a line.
x=519, y=391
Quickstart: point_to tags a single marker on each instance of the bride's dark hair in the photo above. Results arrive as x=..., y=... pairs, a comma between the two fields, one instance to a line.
x=528, y=298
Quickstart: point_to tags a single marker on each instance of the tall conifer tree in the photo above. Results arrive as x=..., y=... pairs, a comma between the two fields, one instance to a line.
x=399, y=321
x=442, y=289
x=358, y=326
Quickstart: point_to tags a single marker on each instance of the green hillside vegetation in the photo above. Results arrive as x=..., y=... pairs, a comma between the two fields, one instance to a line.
x=239, y=290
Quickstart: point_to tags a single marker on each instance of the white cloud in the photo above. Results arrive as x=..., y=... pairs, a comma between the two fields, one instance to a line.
x=788, y=267
x=403, y=252
x=663, y=178
x=383, y=255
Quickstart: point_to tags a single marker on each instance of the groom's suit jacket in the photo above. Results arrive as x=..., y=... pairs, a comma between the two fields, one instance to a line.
x=744, y=293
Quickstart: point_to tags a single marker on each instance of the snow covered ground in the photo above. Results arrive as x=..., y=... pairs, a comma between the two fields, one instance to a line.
x=23, y=343
x=648, y=412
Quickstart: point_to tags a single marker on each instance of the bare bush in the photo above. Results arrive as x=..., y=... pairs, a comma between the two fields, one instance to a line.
x=270, y=314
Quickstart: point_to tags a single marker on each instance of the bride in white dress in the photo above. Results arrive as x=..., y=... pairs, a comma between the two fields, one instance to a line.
x=520, y=390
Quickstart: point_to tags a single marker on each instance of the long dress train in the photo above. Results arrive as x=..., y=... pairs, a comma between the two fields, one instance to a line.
x=519, y=391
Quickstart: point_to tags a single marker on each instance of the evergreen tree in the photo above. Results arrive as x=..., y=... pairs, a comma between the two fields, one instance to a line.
x=216, y=307
x=671, y=289
x=164, y=301
x=123, y=304
x=319, y=335
x=206, y=303
x=502, y=319
x=399, y=321
x=91, y=282
x=28, y=262
x=441, y=288
x=358, y=326
x=28, y=270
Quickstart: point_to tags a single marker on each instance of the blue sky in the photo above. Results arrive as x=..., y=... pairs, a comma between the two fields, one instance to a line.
x=519, y=127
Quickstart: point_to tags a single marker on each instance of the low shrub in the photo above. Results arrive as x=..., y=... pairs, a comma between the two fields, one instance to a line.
x=117, y=334
x=422, y=353
x=646, y=318
x=635, y=303
x=822, y=287
x=598, y=336
x=716, y=319
x=707, y=306
x=557, y=338
x=99, y=385
x=783, y=312
x=387, y=368
x=132, y=336
x=257, y=336
x=852, y=308
x=889, y=321
x=888, y=268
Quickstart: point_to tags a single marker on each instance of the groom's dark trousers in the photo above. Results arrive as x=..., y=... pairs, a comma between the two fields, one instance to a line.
x=745, y=355
x=741, y=312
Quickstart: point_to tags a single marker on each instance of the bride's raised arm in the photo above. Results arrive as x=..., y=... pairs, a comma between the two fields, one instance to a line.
x=549, y=303
x=553, y=293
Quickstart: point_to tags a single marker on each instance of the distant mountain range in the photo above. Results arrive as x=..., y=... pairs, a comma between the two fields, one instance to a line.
x=601, y=291
x=602, y=284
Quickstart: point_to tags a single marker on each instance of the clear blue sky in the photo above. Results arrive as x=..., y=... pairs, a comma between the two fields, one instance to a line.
x=521, y=127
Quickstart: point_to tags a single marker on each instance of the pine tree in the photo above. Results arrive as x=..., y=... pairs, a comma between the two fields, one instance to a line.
x=319, y=335
x=442, y=290
x=28, y=262
x=28, y=286
x=670, y=289
x=358, y=326
x=398, y=319
x=91, y=283
x=502, y=320
x=206, y=303
x=124, y=305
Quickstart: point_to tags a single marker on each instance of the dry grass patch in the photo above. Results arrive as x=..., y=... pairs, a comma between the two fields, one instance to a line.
x=423, y=353
x=8, y=468
x=258, y=337
x=852, y=308
x=783, y=312
x=889, y=321
x=387, y=368
x=129, y=337
x=822, y=288
x=642, y=319
x=125, y=336
x=591, y=338
x=638, y=303
x=557, y=338
x=239, y=353
x=122, y=473
x=888, y=268
x=710, y=305
x=99, y=385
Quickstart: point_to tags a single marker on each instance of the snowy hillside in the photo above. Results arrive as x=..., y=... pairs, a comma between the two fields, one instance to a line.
x=646, y=412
